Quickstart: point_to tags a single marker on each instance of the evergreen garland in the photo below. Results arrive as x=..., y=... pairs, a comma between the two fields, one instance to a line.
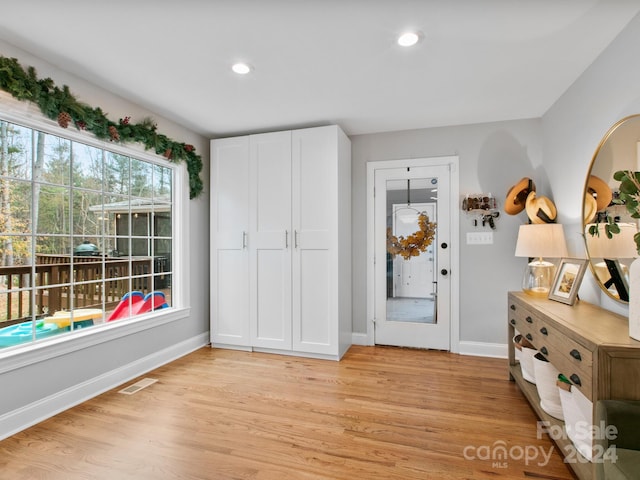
x=60, y=105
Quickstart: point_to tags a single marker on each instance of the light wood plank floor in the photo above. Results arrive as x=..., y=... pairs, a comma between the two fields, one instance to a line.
x=380, y=413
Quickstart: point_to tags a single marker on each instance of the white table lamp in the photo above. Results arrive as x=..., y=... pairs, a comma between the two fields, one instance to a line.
x=538, y=241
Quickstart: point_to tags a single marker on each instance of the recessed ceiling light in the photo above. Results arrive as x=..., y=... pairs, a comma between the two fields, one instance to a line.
x=408, y=39
x=241, y=68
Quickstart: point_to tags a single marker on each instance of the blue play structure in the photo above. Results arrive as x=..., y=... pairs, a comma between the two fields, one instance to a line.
x=59, y=322
x=23, y=332
x=133, y=303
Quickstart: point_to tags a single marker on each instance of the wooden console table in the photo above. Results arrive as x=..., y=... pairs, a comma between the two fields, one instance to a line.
x=587, y=344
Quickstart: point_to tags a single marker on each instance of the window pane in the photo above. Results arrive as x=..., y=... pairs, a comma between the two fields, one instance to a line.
x=87, y=167
x=140, y=224
x=88, y=217
x=162, y=180
x=53, y=261
x=87, y=259
x=16, y=306
x=163, y=282
x=110, y=247
x=116, y=173
x=16, y=142
x=15, y=250
x=162, y=253
x=162, y=224
x=53, y=210
x=115, y=213
x=15, y=206
x=117, y=268
x=142, y=284
x=56, y=158
x=87, y=295
x=53, y=299
x=141, y=179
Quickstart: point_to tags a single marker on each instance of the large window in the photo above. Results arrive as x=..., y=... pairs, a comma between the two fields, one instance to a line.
x=85, y=235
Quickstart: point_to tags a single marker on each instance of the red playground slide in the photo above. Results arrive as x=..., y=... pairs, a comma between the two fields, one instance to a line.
x=135, y=303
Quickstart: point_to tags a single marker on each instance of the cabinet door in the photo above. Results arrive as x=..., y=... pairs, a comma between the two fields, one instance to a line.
x=270, y=240
x=229, y=240
x=315, y=326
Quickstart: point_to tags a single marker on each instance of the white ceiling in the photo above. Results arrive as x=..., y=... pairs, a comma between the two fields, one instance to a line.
x=322, y=61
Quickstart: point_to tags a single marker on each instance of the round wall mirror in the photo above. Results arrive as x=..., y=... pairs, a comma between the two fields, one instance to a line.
x=611, y=254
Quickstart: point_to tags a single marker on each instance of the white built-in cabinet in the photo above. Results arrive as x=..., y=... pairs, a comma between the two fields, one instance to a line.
x=281, y=242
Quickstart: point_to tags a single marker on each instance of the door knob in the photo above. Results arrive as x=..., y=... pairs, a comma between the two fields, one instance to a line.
x=444, y=271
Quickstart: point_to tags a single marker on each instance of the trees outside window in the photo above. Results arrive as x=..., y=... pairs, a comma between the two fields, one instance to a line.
x=81, y=227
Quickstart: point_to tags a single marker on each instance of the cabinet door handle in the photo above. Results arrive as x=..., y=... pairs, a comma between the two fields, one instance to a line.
x=575, y=379
x=544, y=331
x=513, y=307
x=576, y=354
x=286, y=239
x=244, y=240
x=295, y=239
x=529, y=320
x=529, y=337
x=544, y=351
x=512, y=322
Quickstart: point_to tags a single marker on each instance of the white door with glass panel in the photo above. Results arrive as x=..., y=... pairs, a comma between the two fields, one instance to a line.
x=412, y=257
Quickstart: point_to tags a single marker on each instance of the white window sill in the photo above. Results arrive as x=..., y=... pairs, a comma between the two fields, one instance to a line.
x=29, y=354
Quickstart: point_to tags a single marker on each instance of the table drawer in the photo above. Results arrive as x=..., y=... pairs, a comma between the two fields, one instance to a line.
x=577, y=354
x=580, y=377
x=523, y=320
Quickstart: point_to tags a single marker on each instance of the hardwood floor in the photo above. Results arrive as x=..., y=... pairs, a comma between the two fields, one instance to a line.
x=380, y=413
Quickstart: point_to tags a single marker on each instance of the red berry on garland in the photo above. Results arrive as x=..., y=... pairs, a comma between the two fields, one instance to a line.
x=64, y=119
x=81, y=125
x=113, y=133
x=189, y=148
x=126, y=120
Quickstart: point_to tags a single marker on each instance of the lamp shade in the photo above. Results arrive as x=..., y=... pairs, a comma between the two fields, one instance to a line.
x=541, y=240
x=621, y=245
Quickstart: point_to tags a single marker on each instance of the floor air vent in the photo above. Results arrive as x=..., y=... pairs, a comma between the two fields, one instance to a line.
x=136, y=387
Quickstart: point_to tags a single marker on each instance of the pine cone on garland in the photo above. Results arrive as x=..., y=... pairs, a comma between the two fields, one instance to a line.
x=64, y=119
x=167, y=154
x=113, y=133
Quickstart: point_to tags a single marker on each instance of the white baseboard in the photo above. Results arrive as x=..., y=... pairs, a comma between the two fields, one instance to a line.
x=24, y=417
x=481, y=349
x=360, y=339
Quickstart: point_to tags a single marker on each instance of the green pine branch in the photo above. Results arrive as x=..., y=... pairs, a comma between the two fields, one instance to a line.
x=52, y=101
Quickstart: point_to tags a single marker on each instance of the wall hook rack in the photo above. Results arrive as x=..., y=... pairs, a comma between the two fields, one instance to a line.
x=483, y=207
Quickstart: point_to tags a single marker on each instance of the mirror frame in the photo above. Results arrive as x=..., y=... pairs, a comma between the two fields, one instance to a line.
x=599, y=148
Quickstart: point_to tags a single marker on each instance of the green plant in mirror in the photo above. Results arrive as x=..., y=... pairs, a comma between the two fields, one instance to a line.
x=610, y=229
x=629, y=197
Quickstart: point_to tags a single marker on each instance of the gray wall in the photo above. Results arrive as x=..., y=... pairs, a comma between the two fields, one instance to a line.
x=493, y=157
x=555, y=151
x=573, y=127
x=35, y=382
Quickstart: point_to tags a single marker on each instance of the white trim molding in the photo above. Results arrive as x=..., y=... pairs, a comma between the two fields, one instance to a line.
x=453, y=161
x=482, y=349
x=360, y=339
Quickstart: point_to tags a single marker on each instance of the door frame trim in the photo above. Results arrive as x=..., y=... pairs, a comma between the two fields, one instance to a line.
x=453, y=162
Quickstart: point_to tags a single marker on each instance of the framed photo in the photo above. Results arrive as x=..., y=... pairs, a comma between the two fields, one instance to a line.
x=567, y=281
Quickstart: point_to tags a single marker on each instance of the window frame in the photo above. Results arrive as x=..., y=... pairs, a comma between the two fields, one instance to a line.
x=27, y=115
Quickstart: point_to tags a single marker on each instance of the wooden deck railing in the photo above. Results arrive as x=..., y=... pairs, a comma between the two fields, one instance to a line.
x=52, y=284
